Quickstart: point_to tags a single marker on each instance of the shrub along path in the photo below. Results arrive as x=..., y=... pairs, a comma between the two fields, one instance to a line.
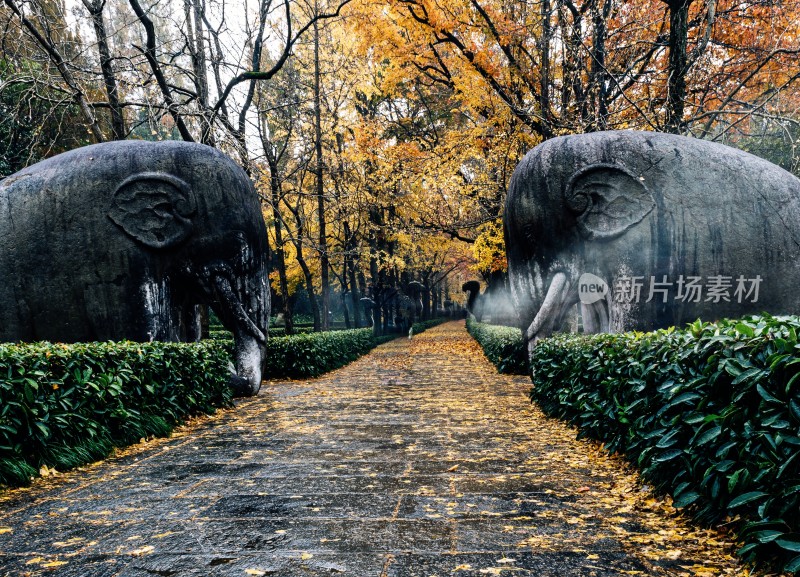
x=418, y=459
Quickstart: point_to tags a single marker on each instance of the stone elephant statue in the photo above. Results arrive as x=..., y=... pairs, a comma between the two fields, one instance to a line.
x=643, y=230
x=474, y=299
x=127, y=240
x=415, y=291
x=406, y=311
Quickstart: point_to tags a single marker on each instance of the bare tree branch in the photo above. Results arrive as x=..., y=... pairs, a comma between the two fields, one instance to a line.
x=57, y=58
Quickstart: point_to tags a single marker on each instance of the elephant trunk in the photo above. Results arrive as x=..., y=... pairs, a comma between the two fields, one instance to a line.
x=550, y=316
x=249, y=341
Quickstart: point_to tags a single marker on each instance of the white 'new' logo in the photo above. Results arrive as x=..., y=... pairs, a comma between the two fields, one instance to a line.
x=591, y=288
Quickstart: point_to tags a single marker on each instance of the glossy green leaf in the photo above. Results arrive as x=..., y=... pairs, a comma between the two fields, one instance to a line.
x=746, y=498
x=789, y=542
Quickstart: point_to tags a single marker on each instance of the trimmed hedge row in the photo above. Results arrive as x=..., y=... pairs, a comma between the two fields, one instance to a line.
x=312, y=354
x=503, y=346
x=711, y=415
x=63, y=406
x=224, y=334
x=276, y=333
x=422, y=326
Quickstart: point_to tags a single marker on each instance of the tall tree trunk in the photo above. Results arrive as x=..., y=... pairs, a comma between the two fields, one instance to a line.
x=344, y=295
x=350, y=271
x=95, y=8
x=309, y=286
x=599, y=77
x=298, y=247
x=197, y=51
x=355, y=293
x=377, y=291
x=544, y=50
x=323, y=236
x=677, y=67
x=149, y=53
x=280, y=257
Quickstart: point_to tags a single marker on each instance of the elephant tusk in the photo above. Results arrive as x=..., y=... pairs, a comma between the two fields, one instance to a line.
x=548, y=313
x=225, y=290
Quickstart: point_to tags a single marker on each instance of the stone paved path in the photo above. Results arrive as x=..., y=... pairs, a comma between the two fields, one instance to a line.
x=417, y=460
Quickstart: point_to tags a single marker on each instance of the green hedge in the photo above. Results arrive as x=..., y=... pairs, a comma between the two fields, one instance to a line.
x=711, y=415
x=63, y=406
x=67, y=405
x=223, y=334
x=312, y=354
x=422, y=326
x=503, y=346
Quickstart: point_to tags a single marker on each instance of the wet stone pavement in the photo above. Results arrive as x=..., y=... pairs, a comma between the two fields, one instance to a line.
x=416, y=460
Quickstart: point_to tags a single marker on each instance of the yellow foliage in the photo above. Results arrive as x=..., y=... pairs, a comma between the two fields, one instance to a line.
x=489, y=249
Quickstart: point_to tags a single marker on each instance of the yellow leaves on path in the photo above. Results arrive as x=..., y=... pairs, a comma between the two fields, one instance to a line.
x=44, y=563
x=69, y=542
x=146, y=550
x=46, y=471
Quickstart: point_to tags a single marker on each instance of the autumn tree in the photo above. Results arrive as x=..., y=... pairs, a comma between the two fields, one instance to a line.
x=468, y=86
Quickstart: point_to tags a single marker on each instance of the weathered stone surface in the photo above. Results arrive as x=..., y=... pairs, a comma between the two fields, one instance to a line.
x=655, y=211
x=416, y=460
x=125, y=240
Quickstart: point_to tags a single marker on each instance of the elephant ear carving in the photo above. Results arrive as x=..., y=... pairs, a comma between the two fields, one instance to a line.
x=608, y=200
x=155, y=209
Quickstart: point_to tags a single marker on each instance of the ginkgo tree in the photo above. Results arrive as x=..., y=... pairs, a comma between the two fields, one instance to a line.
x=466, y=87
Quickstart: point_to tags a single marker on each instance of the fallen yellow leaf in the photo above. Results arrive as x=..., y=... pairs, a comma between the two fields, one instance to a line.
x=54, y=564
x=306, y=556
x=143, y=550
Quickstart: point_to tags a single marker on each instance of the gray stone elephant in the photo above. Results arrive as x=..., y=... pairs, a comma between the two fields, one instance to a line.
x=643, y=230
x=127, y=240
x=474, y=299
